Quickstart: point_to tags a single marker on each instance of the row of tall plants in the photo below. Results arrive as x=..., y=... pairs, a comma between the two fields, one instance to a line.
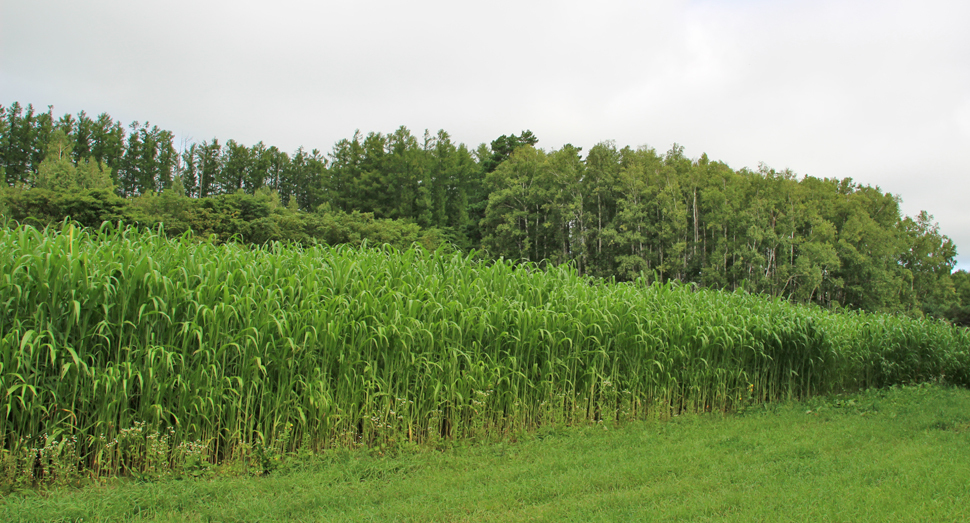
x=124, y=351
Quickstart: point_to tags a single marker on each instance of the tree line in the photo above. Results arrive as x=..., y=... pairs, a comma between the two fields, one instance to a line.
x=613, y=212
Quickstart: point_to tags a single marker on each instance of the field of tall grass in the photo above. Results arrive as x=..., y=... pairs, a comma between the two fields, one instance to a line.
x=126, y=352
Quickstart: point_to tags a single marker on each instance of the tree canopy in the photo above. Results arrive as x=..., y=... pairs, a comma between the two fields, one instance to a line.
x=617, y=213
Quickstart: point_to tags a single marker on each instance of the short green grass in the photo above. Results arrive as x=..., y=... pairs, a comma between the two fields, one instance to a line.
x=884, y=455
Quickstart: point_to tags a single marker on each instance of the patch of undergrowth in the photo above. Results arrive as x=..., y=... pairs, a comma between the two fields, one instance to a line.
x=895, y=454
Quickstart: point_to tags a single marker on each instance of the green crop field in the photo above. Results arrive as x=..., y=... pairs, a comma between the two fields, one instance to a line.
x=127, y=353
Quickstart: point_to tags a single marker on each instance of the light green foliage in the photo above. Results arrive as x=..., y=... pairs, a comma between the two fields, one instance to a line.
x=93, y=175
x=59, y=173
x=284, y=348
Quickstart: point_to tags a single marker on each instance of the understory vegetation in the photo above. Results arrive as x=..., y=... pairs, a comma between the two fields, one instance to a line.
x=894, y=454
x=128, y=352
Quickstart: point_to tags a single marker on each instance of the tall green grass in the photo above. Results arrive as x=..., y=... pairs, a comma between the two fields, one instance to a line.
x=127, y=352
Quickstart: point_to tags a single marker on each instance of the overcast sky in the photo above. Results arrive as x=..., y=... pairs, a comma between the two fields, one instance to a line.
x=878, y=91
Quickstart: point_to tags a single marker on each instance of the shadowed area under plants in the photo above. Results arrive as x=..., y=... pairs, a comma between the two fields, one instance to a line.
x=894, y=454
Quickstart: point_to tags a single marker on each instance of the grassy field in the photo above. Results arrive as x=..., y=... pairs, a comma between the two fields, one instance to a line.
x=897, y=454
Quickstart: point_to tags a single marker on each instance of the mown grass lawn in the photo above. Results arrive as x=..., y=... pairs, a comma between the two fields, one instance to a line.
x=889, y=455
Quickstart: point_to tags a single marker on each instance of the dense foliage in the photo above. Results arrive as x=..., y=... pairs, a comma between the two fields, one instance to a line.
x=613, y=213
x=122, y=351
